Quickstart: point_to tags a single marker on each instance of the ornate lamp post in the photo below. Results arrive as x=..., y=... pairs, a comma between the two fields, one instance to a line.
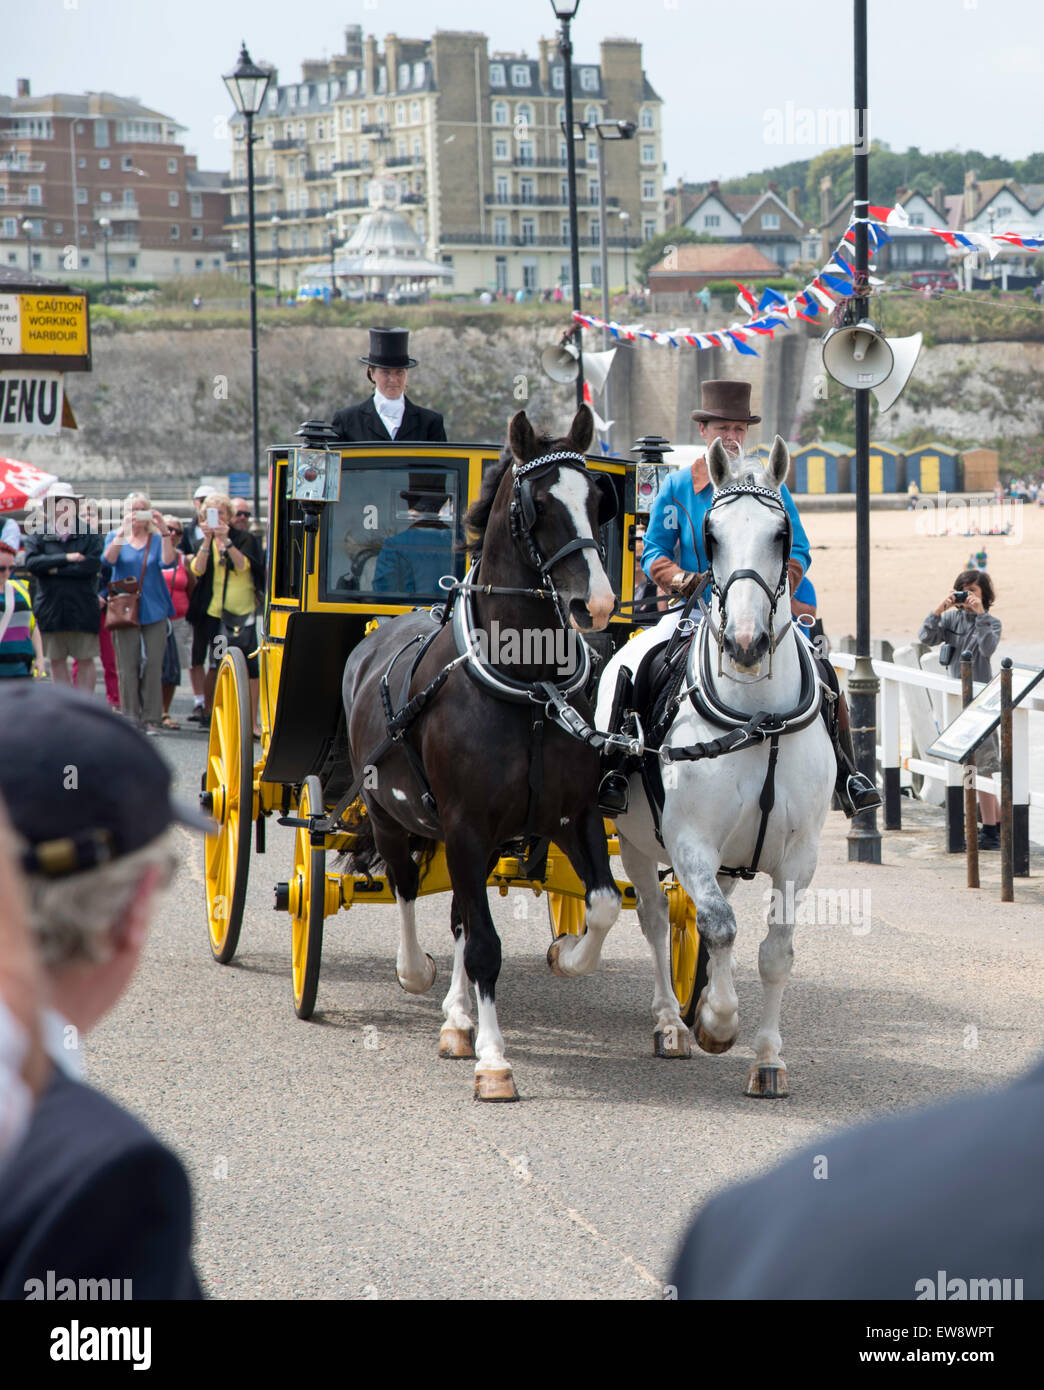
x=247, y=85
x=106, y=231
x=565, y=11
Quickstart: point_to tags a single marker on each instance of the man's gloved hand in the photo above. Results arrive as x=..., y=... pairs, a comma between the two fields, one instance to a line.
x=794, y=573
x=684, y=583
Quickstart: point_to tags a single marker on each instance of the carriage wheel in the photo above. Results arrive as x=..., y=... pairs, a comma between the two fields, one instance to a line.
x=307, y=904
x=566, y=914
x=228, y=795
x=688, y=953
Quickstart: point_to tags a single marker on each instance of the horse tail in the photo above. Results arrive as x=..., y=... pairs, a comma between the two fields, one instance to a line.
x=360, y=854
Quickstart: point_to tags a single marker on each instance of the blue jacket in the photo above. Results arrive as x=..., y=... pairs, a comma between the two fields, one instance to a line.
x=677, y=519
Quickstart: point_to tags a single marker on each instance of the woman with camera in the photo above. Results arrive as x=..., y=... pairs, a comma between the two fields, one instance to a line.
x=135, y=553
x=963, y=622
x=230, y=575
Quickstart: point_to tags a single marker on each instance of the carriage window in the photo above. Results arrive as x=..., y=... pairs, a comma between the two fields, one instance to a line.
x=392, y=534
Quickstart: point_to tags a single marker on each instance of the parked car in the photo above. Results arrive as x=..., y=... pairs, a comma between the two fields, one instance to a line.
x=938, y=279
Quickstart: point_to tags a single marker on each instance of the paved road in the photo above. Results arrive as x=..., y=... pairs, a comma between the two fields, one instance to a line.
x=341, y=1159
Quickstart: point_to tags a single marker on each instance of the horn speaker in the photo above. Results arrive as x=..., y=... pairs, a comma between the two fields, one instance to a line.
x=560, y=363
x=596, y=367
x=862, y=358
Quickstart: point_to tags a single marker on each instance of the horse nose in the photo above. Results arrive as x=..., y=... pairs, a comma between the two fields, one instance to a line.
x=743, y=636
x=601, y=604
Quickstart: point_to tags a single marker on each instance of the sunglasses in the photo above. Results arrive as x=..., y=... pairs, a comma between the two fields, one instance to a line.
x=7, y=569
x=244, y=515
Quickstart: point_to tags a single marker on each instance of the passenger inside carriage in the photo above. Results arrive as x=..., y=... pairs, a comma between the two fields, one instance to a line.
x=414, y=561
x=393, y=531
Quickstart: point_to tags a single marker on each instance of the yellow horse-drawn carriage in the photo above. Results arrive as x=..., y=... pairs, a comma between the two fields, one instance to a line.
x=341, y=517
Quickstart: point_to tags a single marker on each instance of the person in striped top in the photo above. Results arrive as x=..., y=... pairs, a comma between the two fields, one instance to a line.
x=21, y=649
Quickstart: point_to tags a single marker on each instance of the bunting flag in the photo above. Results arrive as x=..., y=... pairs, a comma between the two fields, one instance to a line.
x=832, y=285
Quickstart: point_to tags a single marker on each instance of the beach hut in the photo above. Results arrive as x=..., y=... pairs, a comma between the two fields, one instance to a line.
x=934, y=468
x=981, y=470
x=887, y=468
x=820, y=468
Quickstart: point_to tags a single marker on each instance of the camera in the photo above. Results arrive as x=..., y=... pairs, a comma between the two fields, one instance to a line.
x=212, y=517
x=960, y=595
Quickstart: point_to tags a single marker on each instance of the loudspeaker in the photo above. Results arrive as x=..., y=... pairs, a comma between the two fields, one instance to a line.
x=860, y=357
x=596, y=367
x=560, y=363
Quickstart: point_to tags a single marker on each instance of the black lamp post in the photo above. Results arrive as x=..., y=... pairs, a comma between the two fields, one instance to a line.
x=247, y=85
x=277, y=250
x=864, y=838
x=625, y=217
x=565, y=10
x=106, y=231
x=27, y=228
x=332, y=231
x=607, y=130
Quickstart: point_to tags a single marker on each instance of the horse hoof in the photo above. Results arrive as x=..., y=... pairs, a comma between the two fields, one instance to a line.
x=457, y=1042
x=767, y=1082
x=672, y=1042
x=495, y=1085
x=553, y=952
x=419, y=989
x=711, y=1044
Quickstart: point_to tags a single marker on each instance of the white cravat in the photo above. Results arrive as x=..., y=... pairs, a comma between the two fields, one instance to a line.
x=391, y=412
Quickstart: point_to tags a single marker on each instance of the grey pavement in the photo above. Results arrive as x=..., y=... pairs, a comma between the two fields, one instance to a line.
x=341, y=1159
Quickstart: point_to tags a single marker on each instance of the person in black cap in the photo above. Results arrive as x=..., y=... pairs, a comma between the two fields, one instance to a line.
x=414, y=561
x=388, y=413
x=90, y=1193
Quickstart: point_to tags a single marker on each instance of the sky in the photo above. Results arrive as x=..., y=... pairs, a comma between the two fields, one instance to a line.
x=746, y=85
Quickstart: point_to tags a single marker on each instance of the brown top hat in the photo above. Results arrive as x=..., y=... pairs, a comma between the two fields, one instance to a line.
x=725, y=400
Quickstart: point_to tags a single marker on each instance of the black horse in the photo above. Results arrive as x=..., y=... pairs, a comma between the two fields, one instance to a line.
x=484, y=763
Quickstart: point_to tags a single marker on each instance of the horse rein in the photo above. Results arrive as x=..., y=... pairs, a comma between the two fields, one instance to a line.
x=767, y=497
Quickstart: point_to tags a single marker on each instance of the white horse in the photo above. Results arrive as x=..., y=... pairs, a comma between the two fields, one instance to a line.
x=747, y=656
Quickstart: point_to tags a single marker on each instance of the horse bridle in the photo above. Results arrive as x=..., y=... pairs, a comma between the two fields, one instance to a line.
x=767, y=497
x=523, y=510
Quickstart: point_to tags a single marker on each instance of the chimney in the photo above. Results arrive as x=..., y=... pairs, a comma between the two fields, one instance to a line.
x=826, y=198
x=972, y=194
x=546, y=45
x=794, y=200
x=391, y=58
x=353, y=45
x=712, y=187
x=370, y=63
x=23, y=86
x=773, y=187
x=901, y=192
x=939, y=198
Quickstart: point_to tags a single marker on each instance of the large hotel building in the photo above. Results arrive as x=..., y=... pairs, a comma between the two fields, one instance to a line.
x=476, y=147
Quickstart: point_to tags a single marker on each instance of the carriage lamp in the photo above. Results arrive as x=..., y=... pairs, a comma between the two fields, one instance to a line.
x=315, y=475
x=651, y=472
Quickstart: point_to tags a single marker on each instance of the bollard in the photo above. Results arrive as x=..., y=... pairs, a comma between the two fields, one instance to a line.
x=1007, y=844
x=971, y=838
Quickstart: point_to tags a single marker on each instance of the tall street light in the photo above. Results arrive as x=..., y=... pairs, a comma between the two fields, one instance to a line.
x=864, y=838
x=331, y=218
x=106, y=231
x=274, y=220
x=247, y=85
x=625, y=218
x=27, y=228
x=607, y=130
x=565, y=10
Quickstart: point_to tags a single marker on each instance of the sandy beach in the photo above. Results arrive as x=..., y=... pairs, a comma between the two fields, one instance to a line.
x=912, y=570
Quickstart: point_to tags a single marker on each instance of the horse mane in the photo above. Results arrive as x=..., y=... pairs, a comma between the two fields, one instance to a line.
x=476, y=518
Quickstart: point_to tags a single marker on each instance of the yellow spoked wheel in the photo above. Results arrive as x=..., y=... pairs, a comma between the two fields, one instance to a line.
x=688, y=953
x=228, y=796
x=566, y=914
x=307, y=903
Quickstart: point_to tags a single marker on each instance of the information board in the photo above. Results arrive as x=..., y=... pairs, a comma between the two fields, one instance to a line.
x=959, y=740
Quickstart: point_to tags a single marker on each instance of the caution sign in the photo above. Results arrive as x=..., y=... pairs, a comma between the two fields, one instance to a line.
x=47, y=329
x=31, y=402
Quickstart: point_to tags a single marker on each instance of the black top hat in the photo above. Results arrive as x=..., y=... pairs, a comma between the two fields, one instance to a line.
x=726, y=400
x=389, y=348
x=119, y=799
x=426, y=492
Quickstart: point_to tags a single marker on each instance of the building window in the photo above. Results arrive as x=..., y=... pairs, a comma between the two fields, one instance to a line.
x=85, y=261
x=347, y=119
x=363, y=119
x=592, y=115
x=128, y=197
x=526, y=153
x=916, y=219
x=564, y=229
x=335, y=89
x=172, y=166
x=322, y=164
x=197, y=233
x=291, y=97
x=648, y=152
x=320, y=131
x=526, y=190
x=418, y=74
x=400, y=113
x=528, y=237
x=558, y=77
x=101, y=134
x=500, y=113
x=352, y=80
x=404, y=75
x=302, y=94
x=81, y=163
x=529, y=275
x=415, y=111
x=592, y=190
x=126, y=163
x=647, y=121
x=324, y=93
x=589, y=79
x=502, y=195
x=592, y=153
x=324, y=201
x=10, y=227
x=195, y=205
x=500, y=231
x=132, y=262
x=269, y=168
x=382, y=80
x=175, y=232
x=648, y=189
x=173, y=198
x=563, y=153
x=770, y=221
x=104, y=164
x=400, y=148
x=58, y=228
x=105, y=197
x=382, y=115
x=596, y=231
x=35, y=194
x=520, y=75
x=501, y=273
x=648, y=228
x=711, y=219
x=523, y=114
x=273, y=99
x=500, y=149
x=496, y=75
x=81, y=195
x=301, y=130
x=417, y=147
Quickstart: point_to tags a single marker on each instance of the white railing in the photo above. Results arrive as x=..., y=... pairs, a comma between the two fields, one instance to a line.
x=889, y=750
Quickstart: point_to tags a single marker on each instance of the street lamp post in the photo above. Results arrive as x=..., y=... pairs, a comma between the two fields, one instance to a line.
x=565, y=10
x=864, y=838
x=247, y=85
x=331, y=218
x=27, y=228
x=235, y=254
x=625, y=217
x=106, y=231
